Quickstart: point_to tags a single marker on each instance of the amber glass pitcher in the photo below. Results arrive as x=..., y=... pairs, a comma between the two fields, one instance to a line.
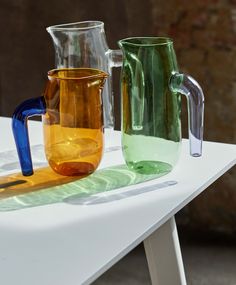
x=72, y=122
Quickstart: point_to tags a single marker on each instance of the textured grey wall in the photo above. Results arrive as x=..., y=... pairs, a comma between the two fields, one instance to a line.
x=204, y=32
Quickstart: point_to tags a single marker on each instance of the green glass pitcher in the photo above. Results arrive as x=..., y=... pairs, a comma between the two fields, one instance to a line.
x=151, y=105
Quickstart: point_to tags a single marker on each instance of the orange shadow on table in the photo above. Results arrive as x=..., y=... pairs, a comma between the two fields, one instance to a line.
x=17, y=184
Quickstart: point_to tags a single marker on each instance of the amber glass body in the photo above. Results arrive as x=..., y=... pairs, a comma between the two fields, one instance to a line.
x=73, y=123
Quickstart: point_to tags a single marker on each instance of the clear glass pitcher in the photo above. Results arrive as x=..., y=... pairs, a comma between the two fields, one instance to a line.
x=72, y=122
x=151, y=105
x=83, y=44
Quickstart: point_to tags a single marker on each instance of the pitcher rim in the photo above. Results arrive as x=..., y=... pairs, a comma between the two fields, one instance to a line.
x=52, y=73
x=61, y=27
x=128, y=41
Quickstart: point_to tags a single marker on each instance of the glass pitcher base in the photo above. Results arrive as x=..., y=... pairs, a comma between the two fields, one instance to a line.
x=150, y=167
x=73, y=168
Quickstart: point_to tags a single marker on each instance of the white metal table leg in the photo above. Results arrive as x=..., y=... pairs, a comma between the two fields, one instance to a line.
x=164, y=256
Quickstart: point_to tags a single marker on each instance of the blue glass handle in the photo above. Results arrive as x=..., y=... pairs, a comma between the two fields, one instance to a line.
x=28, y=108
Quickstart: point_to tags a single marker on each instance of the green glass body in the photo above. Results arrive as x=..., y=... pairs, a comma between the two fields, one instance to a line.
x=151, y=126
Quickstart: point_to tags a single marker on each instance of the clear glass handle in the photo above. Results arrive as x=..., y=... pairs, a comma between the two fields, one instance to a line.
x=115, y=58
x=189, y=87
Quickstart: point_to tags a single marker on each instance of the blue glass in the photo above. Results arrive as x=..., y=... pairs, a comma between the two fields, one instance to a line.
x=31, y=107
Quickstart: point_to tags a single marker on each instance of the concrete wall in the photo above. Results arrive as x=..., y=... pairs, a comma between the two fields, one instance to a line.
x=204, y=33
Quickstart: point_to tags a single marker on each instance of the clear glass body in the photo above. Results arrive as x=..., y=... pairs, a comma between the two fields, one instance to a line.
x=83, y=44
x=151, y=105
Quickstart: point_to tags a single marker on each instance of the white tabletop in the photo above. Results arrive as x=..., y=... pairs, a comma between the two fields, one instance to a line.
x=75, y=241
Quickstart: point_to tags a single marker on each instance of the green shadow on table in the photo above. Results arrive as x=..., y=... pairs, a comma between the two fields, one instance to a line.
x=23, y=193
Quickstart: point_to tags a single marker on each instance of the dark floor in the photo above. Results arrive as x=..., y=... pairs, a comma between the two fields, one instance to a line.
x=209, y=259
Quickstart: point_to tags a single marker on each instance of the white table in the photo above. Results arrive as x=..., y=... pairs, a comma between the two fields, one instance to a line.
x=75, y=241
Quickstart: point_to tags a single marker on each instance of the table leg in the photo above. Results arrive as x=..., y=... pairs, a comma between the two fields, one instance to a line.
x=164, y=255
